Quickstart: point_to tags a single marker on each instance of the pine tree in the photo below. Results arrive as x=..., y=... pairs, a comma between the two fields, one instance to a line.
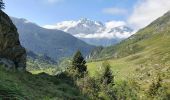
x=2, y=5
x=107, y=76
x=79, y=64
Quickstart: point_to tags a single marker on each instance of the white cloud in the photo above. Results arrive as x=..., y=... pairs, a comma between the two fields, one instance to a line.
x=106, y=35
x=62, y=25
x=112, y=24
x=114, y=11
x=146, y=11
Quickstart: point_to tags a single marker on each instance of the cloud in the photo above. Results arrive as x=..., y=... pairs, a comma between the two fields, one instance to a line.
x=112, y=24
x=114, y=11
x=146, y=11
x=110, y=30
x=106, y=35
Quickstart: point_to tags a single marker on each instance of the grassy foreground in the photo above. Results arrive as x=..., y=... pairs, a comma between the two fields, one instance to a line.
x=25, y=86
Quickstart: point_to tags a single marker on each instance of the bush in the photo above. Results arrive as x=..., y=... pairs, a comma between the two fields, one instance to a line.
x=126, y=90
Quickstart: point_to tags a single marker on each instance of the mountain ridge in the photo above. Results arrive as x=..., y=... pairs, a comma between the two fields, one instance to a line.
x=143, y=40
x=95, y=32
x=53, y=43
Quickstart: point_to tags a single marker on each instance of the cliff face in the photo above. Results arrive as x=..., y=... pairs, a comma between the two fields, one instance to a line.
x=12, y=54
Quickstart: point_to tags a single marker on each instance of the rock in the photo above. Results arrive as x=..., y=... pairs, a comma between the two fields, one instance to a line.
x=10, y=47
x=8, y=64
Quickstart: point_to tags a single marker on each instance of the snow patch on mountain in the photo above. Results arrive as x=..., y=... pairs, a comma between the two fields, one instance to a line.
x=91, y=31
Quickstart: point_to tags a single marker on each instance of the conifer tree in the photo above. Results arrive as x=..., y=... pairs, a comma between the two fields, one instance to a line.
x=79, y=64
x=2, y=5
x=107, y=76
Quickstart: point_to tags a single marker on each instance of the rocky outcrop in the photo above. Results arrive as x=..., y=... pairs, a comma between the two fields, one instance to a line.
x=11, y=52
x=8, y=64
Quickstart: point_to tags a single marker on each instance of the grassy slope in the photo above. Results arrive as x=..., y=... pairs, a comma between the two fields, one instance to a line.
x=35, y=87
x=140, y=58
x=154, y=36
x=143, y=56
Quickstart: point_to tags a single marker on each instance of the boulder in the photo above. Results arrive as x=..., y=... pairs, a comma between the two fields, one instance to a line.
x=10, y=47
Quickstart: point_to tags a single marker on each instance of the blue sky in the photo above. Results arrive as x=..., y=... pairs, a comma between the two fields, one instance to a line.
x=51, y=11
x=136, y=13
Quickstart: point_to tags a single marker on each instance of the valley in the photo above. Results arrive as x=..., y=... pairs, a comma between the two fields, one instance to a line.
x=84, y=59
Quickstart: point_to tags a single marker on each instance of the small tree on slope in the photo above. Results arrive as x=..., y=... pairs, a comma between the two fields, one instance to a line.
x=79, y=64
x=107, y=75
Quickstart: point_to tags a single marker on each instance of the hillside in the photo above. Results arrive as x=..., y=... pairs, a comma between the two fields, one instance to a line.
x=18, y=84
x=53, y=43
x=143, y=58
x=152, y=40
x=25, y=86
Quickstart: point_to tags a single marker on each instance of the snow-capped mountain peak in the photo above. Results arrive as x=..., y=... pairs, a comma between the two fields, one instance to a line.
x=89, y=22
x=83, y=25
x=91, y=31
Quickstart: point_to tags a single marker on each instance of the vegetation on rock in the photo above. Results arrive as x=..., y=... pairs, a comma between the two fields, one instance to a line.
x=10, y=47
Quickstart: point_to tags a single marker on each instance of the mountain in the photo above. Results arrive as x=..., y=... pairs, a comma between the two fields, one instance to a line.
x=152, y=41
x=94, y=32
x=52, y=43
